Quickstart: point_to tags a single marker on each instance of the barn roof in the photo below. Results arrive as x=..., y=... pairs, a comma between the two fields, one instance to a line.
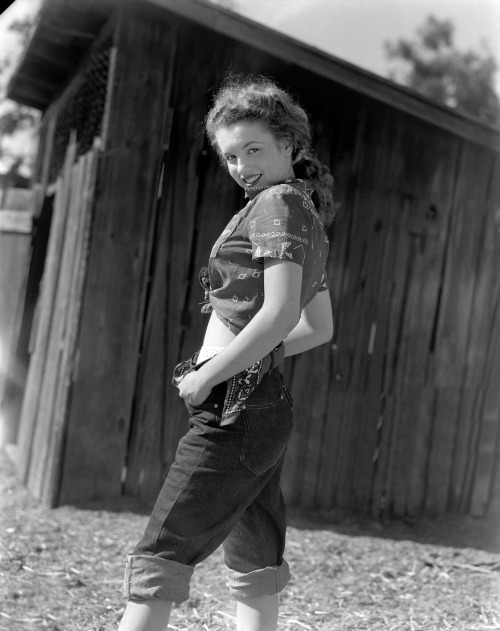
x=66, y=28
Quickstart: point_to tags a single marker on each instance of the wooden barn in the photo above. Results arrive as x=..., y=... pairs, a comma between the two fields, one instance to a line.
x=400, y=415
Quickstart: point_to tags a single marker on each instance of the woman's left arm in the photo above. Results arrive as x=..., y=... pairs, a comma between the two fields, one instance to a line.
x=277, y=317
x=315, y=326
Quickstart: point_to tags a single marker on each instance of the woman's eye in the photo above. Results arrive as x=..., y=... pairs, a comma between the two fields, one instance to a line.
x=253, y=150
x=230, y=158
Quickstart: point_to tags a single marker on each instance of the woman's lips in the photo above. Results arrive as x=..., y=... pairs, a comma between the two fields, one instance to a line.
x=250, y=180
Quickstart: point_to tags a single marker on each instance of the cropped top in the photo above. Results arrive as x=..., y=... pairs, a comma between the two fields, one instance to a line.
x=279, y=221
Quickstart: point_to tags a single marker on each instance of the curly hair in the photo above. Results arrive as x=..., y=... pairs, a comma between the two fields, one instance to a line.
x=259, y=99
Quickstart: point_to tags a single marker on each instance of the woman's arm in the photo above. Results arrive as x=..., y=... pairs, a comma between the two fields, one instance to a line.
x=315, y=326
x=278, y=316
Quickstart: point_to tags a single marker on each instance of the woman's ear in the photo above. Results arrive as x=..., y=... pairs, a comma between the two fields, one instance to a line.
x=286, y=146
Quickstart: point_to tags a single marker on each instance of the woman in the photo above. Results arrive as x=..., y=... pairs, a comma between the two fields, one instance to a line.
x=266, y=290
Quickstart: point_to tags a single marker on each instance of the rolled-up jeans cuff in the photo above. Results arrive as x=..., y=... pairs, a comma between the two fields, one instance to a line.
x=148, y=577
x=266, y=581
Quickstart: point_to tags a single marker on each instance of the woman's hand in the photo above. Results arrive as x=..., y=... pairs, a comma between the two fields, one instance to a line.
x=193, y=389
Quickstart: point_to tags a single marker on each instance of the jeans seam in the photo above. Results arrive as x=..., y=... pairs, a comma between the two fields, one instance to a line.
x=245, y=442
x=129, y=575
x=181, y=491
x=266, y=406
x=263, y=537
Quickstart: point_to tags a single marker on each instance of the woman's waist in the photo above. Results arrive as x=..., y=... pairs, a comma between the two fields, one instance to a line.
x=207, y=352
x=268, y=389
x=217, y=334
x=234, y=393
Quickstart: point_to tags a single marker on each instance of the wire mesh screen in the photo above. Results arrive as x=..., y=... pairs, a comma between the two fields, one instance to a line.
x=83, y=109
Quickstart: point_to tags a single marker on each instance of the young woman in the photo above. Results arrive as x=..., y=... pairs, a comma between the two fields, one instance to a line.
x=266, y=290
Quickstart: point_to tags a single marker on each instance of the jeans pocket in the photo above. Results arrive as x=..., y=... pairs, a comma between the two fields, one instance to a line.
x=267, y=432
x=205, y=415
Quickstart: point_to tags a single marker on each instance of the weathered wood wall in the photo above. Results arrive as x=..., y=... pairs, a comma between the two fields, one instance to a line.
x=397, y=422
x=16, y=221
x=43, y=417
x=120, y=254
x=400, y=414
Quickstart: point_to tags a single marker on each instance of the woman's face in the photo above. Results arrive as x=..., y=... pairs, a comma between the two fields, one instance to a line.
x=253, y=155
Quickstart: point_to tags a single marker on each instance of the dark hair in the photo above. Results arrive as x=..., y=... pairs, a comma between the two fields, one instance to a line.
x=259, y=99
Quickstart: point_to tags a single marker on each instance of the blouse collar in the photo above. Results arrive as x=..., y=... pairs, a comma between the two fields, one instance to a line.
x=305, y=186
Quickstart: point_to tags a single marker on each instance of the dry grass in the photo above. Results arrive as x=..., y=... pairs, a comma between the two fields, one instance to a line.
x=61, y=570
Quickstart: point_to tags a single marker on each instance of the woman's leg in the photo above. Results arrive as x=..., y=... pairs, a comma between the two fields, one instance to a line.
x=147, y=615
x=257, y=541
x=204, y=495
x=258, y=614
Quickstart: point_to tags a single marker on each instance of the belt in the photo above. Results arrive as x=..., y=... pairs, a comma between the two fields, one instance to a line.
x=239, y=387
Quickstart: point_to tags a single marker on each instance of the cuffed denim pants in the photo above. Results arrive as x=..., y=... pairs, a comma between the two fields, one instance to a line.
x=223, y=488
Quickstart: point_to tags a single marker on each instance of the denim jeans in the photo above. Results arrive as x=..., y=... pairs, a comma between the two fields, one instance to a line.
x=222, y=488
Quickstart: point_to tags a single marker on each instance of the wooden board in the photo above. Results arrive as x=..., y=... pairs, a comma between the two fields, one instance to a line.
x=457, y=328
x=371, y=439
x=483, y=444
x=14, y=260
x=396, y=393
x=76, y=271
x=33, y=390
x=119, y=263
x=54, y=370
x=16, y=221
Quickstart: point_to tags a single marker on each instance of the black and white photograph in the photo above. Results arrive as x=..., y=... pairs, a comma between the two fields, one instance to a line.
x=250, y=315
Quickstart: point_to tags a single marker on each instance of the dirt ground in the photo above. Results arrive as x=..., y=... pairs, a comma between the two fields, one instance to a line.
x=61, y=570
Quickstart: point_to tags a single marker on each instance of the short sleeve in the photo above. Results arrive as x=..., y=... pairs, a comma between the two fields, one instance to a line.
x=280, y=225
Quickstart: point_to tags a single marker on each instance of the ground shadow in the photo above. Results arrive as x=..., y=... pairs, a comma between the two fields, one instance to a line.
x=457, y=531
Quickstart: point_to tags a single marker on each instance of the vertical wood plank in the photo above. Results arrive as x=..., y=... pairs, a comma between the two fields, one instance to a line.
x=482, y=350
x=37, y=364
x=348, y=156
x=113, y=306
x=455, y=324
x=42, y=460
x=14, y=262
x=78, y=265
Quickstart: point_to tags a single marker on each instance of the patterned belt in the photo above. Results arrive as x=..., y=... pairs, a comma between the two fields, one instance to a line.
x=239, y=387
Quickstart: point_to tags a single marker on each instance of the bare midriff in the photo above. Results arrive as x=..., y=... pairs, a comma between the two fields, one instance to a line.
x=217, y=334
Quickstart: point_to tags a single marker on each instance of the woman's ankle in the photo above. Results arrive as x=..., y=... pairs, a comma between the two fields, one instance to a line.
x=146, y=615
x=258, y=614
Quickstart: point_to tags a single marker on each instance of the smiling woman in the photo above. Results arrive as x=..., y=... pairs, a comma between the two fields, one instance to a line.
x=266, y=289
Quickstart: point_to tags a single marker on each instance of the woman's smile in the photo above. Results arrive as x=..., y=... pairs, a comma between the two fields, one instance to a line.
x=250, y=179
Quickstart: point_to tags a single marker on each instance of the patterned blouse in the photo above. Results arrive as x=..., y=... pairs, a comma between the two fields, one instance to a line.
x=279, y=222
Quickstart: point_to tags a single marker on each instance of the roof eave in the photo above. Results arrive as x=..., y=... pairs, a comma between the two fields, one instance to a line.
x=46, y=64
